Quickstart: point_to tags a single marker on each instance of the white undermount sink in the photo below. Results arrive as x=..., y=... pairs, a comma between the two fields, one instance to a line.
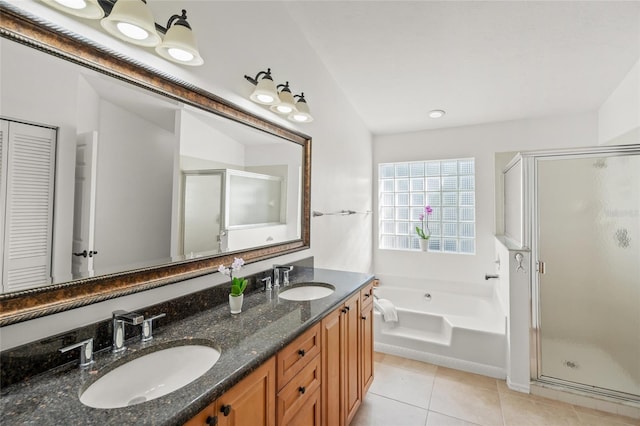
x=150, y=376
x=308, y=291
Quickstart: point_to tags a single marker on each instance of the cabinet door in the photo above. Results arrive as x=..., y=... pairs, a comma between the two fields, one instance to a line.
x=352, y=389
x=309, y=412
x=205, y=417
x=332, y=367
x=252, y=401
x=366, y=346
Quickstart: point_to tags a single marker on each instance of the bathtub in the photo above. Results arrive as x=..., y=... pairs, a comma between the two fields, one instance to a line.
x=456, y=325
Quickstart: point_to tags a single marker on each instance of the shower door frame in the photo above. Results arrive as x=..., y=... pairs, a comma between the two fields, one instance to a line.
x=531, y=226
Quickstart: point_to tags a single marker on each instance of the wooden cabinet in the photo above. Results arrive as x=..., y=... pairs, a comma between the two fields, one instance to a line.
x=341, y=365
x=319, y=378
x=353, y=391
x=249, y=403
x=332, y=368
x=366, y=338
x=299, y=378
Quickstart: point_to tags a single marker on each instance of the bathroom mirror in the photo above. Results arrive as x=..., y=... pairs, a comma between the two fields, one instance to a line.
x=129, y=144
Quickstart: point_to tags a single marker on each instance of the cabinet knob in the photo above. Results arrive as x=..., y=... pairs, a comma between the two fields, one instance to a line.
x=226, y=409
x=367, y=295
x=302, y=389
x=301, y=352
x=364, y=317
x=212, y=420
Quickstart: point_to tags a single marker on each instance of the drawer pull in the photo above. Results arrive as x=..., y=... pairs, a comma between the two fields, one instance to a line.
x=212, y=420
x=226, y=409
x=302, y=389
x=367, y=295
x=301, y=352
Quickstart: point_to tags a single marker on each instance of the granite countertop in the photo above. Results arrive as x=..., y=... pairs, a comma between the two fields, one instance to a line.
x=246, y=340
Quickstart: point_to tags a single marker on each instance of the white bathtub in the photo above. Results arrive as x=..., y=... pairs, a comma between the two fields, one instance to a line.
x=455, y=325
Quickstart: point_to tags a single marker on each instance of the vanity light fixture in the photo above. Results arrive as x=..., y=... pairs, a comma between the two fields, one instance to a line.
x=132, y=21
x=287, y=104
x=265, y=92
x=281, y=102
x=436, y=113
x=303, y=114
x=179, y=44
x=89, y=9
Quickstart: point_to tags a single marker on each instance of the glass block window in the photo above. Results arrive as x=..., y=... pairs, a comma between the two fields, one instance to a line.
x=448, y=186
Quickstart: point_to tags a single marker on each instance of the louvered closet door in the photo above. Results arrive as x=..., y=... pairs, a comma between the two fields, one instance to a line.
x=28, y=217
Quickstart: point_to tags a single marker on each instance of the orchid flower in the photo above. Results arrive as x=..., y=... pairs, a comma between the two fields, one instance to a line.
x=238, y=284
x=423, y=232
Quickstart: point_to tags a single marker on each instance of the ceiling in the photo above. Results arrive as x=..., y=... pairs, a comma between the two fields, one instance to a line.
x=479, y=61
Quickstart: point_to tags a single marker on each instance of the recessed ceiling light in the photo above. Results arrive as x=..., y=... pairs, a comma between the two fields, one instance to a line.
x=436, y=113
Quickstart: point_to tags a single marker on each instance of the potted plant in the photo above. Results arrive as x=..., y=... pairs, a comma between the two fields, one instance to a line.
x=423, y=232
x=238, y=285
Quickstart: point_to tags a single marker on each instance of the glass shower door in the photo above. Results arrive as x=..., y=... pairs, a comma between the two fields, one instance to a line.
x=589, y=280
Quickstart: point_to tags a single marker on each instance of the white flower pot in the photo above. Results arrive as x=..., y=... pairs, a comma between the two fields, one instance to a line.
x=424, y=244
x=235, y=303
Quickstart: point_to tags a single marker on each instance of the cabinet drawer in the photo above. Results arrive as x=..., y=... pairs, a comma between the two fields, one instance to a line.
x=305, y=385
x=366, y=294
x=297, y=355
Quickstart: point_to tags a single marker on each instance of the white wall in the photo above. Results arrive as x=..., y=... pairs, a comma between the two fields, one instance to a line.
x=480, y=142
x=619, y=115
x=341, y=147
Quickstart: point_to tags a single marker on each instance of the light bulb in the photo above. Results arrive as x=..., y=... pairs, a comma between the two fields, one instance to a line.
x=132, y=31
x=180, y=54
x=284, y=109
x=265, y=98
x=73, y=4
x=300, y=117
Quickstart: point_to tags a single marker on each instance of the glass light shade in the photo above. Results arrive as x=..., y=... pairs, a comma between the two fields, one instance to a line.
x=127, y=14
x=89, y=9
x=287, y=104
x=265, y=93
x=179, y=45
x=302, y=115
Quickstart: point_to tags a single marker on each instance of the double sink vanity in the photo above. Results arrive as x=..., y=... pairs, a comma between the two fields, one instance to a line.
x=278, y=362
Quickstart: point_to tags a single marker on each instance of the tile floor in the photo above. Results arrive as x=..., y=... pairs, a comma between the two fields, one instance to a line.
x=412, y=393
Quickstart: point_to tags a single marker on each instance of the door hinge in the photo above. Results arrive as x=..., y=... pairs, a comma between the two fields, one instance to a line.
x=541, y=267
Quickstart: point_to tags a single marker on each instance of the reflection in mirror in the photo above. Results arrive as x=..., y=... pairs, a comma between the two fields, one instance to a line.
x=131, y=178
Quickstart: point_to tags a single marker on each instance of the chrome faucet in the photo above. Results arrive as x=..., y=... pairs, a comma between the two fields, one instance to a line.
x=285, y=274
x=86, y=352
x=119, y=319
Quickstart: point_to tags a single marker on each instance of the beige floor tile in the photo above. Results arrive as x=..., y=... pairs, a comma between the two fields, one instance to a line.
x=437, y=419
x=378, y=357
x=465, y=401
x=528, y=412
x=410, y=364
x=465, y=378
x=410, y=387
x=590, y=416
x=380, y=411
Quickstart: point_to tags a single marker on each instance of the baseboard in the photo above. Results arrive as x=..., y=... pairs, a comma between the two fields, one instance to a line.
x=444, y=361
x=518, y=387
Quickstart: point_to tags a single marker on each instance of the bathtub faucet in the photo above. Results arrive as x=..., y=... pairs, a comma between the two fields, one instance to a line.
x=488, y=277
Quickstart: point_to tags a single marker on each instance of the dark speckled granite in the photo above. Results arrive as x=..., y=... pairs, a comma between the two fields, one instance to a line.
x=265, y=325
x=32, y=359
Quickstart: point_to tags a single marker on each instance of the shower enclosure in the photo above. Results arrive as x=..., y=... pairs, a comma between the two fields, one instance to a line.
x=582, y=223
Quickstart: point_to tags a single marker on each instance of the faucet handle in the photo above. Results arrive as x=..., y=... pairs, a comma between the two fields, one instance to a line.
x=267, y=283
x=86, y=352
x=147, y=327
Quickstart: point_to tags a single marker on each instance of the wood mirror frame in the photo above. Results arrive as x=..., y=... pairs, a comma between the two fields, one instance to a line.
x=29, y=304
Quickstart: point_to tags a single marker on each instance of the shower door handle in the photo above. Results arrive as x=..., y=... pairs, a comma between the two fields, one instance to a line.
x=541, y=267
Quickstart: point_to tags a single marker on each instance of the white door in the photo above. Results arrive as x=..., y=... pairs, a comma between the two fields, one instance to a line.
x=84, y=207
x=28, y=182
